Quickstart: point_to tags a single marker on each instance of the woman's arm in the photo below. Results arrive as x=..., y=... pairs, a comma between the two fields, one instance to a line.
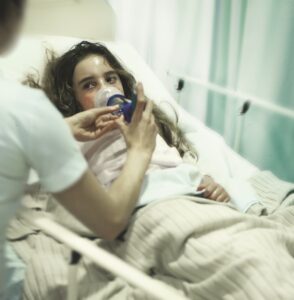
x=107, y=212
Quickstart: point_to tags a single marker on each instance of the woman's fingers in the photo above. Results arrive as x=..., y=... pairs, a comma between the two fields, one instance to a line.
x=101, y=131
x=105, y=120
x=216, y=192
x=153, y=123
x=140, y=105
x=213, y=190
x=206, y=180
x=143, y=108
x=209, y=189
x=140, y=134
x=106, y=117
x=105, y=124
x=219, y=194
x=100, y=111
x=148, y=110
x=121, y=125
x=223, y=198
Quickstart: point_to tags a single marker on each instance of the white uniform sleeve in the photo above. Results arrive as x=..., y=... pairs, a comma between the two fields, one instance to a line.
x=49, y=146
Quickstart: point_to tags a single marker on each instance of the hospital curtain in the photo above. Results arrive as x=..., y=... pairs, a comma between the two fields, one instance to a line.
x=245, y=45
x=252, y=51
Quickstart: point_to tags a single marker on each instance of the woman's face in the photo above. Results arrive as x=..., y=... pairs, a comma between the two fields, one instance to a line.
x=91, y=75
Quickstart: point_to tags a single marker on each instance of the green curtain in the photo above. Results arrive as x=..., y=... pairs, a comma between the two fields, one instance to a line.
x=253, y=46
x=245, y=45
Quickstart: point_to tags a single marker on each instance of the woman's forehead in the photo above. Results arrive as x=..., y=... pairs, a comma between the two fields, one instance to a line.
x=94, y=65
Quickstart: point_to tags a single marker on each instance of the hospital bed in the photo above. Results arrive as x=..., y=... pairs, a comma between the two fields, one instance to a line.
x=215, y=157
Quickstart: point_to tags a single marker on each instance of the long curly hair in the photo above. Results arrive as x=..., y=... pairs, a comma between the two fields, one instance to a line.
x=57, y=83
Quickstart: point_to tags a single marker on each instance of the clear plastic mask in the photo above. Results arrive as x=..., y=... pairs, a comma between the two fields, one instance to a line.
x=112, y=96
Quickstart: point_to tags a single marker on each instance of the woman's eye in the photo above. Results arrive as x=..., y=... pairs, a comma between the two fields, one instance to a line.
x=112, y=79
x=89, y=85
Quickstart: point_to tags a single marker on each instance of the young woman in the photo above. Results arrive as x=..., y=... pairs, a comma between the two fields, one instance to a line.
x=73, y=81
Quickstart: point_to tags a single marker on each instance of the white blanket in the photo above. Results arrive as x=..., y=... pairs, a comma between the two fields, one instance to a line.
x=205, y=249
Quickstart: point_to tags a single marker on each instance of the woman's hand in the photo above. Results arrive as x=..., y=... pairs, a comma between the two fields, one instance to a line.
x=92, y=124
x=140, y=134
x=213, y=190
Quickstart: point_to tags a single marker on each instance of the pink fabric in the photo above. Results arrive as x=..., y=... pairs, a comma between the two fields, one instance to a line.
x=107, y=155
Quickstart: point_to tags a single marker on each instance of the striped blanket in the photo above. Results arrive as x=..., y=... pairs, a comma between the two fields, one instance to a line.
x=204, y=249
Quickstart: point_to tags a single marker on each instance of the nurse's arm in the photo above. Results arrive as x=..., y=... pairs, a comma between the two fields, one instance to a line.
x=107, y=212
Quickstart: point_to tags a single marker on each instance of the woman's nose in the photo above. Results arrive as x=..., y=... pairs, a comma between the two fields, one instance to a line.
x=104, y=84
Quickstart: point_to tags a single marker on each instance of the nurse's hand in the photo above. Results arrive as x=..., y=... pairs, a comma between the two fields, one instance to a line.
x=140, y=134
x=92, y=124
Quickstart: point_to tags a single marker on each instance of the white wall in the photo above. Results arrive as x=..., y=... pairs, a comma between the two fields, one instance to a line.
x=93, y=19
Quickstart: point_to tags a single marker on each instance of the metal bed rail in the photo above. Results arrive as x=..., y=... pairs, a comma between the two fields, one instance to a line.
x=107, y=261
x=234, y=95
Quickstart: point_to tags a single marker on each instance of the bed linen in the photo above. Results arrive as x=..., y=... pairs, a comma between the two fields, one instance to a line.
x=205, y=249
